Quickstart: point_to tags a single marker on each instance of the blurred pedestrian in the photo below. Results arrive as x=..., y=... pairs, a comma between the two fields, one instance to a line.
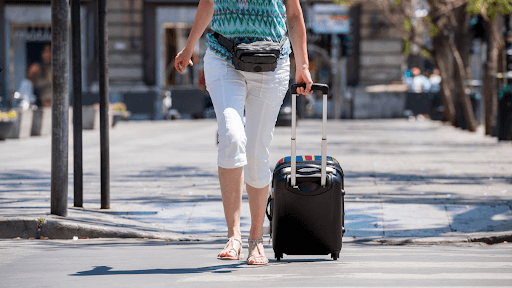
x=43, y=83
x=435, y=81
x=26, y=95
x=244, y=149
x=421, y=83
x=407, y=79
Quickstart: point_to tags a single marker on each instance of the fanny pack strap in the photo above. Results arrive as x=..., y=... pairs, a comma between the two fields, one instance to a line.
x=225, y=42
x=230, y=45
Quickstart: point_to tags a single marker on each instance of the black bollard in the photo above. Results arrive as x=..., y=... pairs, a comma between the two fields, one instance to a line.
x=60, y=107
x=103, y=82
x=77, y=104
x=3, y=40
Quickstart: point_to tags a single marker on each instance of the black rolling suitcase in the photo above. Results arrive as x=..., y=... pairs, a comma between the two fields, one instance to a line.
x=307, y=203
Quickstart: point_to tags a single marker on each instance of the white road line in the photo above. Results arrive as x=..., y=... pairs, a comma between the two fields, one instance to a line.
x=503, y=254
x=435, y=276
x=412, y=265
x=219, y=277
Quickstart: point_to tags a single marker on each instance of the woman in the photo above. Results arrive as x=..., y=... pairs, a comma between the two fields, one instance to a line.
x=243, y=147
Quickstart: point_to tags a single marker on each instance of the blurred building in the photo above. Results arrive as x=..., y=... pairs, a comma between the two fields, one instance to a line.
x=145, y=35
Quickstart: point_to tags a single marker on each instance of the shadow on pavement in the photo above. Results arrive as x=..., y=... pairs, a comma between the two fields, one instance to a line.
x=105, y=270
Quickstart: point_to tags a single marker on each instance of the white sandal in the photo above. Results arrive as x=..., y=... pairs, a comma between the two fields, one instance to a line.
x=228, y=255
x=253, y=260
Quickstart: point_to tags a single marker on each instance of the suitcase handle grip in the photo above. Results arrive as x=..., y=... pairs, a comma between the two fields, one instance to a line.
x=325, y=90
x=315, y=87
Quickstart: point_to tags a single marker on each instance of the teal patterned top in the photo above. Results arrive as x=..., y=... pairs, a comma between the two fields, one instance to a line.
x=246, y=21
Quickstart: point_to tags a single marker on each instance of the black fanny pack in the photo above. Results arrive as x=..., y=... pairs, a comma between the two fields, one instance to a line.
x=259, y=56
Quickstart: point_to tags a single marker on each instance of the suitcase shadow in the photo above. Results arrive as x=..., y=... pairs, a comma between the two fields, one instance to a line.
x=283, y=261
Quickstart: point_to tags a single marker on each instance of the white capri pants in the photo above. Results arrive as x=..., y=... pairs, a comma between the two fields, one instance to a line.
x=261, y=94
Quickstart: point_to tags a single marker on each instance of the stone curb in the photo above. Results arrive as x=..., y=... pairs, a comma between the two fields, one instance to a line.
x=56, y=228
x=488, y=238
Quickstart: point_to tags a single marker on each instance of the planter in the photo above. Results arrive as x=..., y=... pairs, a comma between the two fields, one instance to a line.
x=90, y=117
x=116, y=116
x=378, y=104
x=6, y=129
x=23, y=125
x=42, y=122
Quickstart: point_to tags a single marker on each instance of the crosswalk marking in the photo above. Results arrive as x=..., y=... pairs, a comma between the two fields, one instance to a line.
x=452, y=265
x=433, y=276
x=409, y=254
x=216, y=277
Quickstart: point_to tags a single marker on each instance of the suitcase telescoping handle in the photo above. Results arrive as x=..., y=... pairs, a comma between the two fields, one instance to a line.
x=325, y=90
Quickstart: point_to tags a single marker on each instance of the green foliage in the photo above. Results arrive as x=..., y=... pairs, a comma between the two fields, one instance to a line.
x=425, y=53
x=407, y=24
x=434, y=30
x=407, y=46
x=9, y=115
x=490, y=7
x=397, y=2
x=342, y=2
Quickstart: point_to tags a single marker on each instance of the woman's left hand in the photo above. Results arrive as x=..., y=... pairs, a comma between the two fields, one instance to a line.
x=302, y=75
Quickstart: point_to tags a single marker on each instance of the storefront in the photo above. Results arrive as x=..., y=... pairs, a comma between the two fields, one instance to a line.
x=27, y=46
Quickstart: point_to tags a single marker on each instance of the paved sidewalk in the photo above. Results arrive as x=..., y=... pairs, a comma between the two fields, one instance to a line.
x=406, y=182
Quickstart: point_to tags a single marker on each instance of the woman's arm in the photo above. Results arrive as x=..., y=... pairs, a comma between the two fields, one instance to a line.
x=203, y=17
x=297, y=34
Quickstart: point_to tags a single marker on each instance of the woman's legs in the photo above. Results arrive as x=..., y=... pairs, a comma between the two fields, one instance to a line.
x=227, y=89
x=257, y=203
x=231, y=185
x=262, y=95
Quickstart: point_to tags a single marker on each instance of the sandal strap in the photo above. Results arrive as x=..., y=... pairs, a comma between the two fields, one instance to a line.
x=235, y=239
x=233, y=249
x=251, y=257
x=233, y=246
x=252, y=243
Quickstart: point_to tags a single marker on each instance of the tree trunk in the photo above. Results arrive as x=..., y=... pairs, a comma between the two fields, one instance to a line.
x=490, y=83
x=442, y=59
x=460, y=45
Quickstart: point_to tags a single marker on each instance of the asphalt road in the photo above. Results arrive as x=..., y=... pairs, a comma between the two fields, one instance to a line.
x=153, y=263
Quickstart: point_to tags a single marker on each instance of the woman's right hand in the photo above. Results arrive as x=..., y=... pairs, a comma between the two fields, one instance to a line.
x=182, y=60
x=303, y=76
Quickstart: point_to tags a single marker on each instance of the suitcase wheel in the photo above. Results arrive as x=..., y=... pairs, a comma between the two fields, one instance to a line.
x=335, y=256
x=278, y=256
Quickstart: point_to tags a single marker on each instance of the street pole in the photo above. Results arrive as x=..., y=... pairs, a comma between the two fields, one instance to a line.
x=3, y=69
x=103, y=82
x=335, y=44
x=77, y=104
x=343, y=88
x=60, y=107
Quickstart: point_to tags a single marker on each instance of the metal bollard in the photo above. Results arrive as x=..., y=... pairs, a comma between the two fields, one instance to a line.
x=103, y=82
x=77, y=104
x=60, y=105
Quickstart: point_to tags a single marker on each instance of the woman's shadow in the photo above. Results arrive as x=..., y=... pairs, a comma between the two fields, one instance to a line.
x=105, y=270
